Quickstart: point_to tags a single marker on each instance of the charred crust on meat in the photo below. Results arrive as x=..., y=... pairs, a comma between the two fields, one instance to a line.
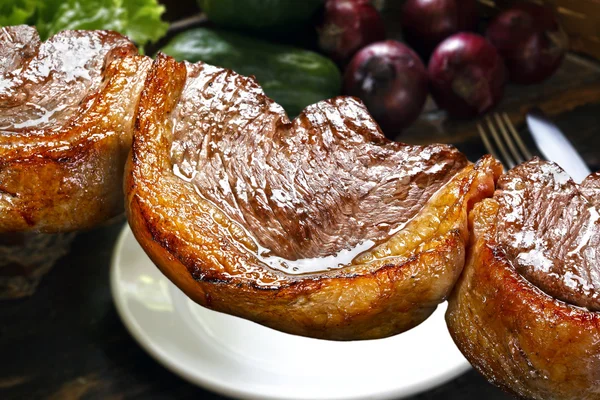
x=62, y=137
x=211, y=254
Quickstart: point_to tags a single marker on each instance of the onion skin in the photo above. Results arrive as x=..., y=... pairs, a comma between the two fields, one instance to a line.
x=426, y=23
x=466, y=75
x=391, y=80
x=530, y=40
x=348, y=26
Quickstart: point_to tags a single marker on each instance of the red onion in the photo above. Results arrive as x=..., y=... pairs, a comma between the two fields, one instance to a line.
x=466, y=74
x=391, y=80
x=530, y=40
x=426, y=23
x=348, y=26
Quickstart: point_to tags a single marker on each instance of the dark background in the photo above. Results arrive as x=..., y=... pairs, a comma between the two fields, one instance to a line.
x=67, y=341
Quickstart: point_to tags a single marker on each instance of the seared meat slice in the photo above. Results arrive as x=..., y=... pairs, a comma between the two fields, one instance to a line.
x=550, y=231
x=524, y=310
x=306, y=189
x=590, y=188
x=318, y=227
x=66, y=117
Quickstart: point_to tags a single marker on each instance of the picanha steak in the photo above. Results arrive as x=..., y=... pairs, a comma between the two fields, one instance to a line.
x=66, y=118
x=318, y=226
x=525, y=310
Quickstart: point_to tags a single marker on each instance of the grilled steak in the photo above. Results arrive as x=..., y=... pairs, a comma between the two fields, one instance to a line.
x=66, y=115
x=306, y=189
x=550, y=231
x=590, y=188
x=525, y=309
x=319, y=226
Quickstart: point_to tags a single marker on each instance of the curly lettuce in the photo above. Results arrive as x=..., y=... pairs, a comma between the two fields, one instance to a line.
x=16, y=12
x=140, y=20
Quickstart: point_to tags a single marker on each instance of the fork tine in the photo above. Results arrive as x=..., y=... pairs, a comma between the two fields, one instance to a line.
x=509, y=141
x=486, y=142
x=500, y=144
x=517, y=137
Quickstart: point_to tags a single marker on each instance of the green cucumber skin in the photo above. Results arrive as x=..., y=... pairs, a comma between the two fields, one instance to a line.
x=292, y=77
x=275, y=15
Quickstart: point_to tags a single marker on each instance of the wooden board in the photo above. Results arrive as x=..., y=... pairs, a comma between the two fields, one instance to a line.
x=579, y=18
x=571, y=97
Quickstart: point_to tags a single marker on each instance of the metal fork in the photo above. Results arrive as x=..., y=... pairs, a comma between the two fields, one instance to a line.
x=505, y=139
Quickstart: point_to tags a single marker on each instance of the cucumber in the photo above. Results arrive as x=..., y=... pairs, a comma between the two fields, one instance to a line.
x=292, y=77
x=276, y=15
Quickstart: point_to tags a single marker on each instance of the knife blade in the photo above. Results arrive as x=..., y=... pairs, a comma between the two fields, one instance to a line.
x=555, y=146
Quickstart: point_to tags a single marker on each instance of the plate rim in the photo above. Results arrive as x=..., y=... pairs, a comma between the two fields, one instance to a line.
x=154, y=350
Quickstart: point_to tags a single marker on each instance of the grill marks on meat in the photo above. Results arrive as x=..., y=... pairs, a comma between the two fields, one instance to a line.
x=322, y=184
x=550, y=229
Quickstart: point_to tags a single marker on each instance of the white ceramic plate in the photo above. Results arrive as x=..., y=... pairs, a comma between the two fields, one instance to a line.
x=242, y=359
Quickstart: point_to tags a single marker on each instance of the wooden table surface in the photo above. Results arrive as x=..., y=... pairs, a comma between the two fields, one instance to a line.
x=67, y=341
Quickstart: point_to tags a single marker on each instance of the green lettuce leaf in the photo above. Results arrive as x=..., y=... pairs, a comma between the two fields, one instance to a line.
x=16, y=12
x=140, y=20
